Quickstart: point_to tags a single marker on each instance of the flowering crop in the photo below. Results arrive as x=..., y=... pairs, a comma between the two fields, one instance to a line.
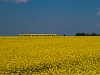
x=59, y=55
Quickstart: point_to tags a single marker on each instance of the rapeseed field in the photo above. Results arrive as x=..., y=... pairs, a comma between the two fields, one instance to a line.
x=59, y=55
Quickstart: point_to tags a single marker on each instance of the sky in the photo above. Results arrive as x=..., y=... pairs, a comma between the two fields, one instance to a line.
x=49, y=16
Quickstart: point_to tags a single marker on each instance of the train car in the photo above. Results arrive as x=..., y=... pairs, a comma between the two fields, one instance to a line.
x=37, y=34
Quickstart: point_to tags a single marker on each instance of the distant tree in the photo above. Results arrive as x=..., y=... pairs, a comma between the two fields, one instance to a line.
x=77, y=34
x=64, y=35
x=97, y=35
x=80, y=34
x=87, y=34
x=93, y=34
x=84, y=34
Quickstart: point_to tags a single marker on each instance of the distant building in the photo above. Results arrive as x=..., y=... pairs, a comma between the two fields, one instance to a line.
x=37, y=34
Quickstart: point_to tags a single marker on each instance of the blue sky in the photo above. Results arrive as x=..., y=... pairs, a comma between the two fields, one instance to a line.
x=49, y=16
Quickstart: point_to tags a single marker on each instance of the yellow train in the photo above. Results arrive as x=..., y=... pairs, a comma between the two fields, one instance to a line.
x=37, y=34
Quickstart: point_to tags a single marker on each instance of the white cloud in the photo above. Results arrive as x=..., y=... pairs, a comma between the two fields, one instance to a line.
x=98, y=13
x=16, y=1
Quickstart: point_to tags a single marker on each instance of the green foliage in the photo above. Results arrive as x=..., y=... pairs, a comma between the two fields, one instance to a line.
x=85, y=34
x=64, y=35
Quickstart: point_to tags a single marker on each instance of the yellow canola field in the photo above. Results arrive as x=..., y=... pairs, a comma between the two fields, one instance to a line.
x=59, y=55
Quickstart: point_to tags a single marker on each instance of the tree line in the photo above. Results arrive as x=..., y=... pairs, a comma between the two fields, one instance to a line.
x=85, y=34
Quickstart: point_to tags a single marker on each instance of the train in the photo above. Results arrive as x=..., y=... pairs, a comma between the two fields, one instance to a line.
x=37, y=34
